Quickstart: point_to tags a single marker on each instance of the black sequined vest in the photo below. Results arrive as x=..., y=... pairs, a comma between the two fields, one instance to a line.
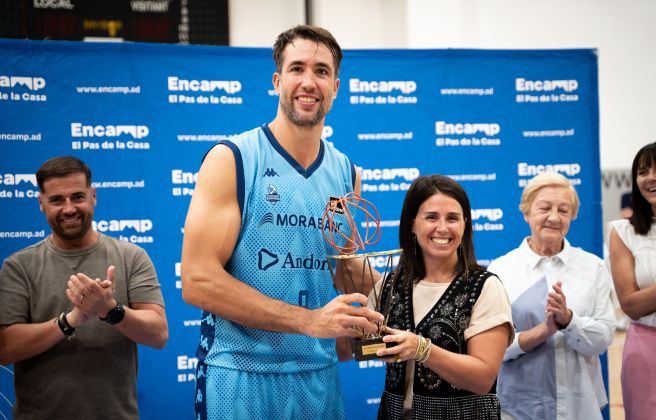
x=445, y=324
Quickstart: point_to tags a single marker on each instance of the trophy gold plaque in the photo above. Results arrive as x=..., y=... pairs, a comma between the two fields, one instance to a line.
x=354, y=271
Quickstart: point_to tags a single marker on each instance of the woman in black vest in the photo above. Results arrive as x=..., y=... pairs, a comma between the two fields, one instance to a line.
x=449, y=319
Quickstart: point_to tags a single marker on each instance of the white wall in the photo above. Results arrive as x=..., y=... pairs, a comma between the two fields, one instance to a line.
x=622, y=31
x=255, y=23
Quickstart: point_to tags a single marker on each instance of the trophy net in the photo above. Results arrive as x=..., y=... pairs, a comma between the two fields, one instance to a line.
x=358, y=272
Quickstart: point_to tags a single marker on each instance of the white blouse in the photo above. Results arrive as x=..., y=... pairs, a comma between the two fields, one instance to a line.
x=643, y=248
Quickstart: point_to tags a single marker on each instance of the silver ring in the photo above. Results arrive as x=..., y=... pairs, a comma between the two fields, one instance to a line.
x=80, y=297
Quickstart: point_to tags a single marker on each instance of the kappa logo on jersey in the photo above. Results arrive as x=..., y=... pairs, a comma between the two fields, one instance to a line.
x=272, y=195
x=270, y=172
x=266, y=259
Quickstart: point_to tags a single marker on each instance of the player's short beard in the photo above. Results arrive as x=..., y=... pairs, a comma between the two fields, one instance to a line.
x=300, y=121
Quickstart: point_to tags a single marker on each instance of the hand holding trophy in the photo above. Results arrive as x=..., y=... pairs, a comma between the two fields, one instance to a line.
x=358, y=272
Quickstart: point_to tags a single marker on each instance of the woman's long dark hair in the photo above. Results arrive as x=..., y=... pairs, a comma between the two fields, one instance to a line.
x=411, y=264
x=643, y=214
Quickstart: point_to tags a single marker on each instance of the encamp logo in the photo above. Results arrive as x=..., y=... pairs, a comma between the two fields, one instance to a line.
x=387, y=174
x=567, y=169
x=327, y=132
x=16, y=179
x=179, y=176
x=31, y=83
x=176, y=84
x=444, y=128
x=490, y=214
x=524, y=85
x=382, y=86
x=135, y=131
x=138, y=225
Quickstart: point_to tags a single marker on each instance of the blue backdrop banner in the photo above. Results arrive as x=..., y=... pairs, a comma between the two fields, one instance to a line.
x=143, y=116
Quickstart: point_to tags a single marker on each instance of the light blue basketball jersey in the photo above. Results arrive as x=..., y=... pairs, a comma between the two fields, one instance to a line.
x=280, y=252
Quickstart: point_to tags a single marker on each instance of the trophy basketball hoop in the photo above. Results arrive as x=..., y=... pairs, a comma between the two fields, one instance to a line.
x=352, y=271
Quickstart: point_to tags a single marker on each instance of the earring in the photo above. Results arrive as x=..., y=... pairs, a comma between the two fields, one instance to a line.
x=416, y=245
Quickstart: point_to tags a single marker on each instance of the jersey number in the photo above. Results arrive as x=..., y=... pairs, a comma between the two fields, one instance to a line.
x=303, y=298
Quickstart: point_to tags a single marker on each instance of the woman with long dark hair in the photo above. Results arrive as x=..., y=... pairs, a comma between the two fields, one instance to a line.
x=632, y=252
x=449, y=319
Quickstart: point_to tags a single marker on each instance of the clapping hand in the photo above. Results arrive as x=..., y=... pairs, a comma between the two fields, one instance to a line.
x=93, y=297
x=557, y=305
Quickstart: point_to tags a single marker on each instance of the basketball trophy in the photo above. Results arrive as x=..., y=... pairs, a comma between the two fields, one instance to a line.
x=354, y=272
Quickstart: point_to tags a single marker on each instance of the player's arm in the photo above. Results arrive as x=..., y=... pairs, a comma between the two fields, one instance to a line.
x=210, y=236
x=357, y=187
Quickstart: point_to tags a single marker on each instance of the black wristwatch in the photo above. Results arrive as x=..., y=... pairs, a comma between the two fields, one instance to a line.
x=64, y=326
x=115, y=315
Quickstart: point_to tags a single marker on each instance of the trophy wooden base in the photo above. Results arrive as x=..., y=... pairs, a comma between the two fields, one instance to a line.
x=365, y=348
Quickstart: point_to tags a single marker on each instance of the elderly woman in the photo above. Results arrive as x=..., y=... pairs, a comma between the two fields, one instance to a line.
x=632, y=255
x=449, y=320
x=562, y=312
